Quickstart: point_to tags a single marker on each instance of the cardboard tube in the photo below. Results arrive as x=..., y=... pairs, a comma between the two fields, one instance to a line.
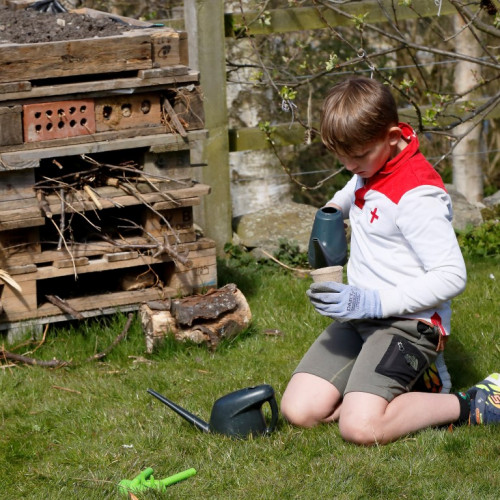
x=332, y=273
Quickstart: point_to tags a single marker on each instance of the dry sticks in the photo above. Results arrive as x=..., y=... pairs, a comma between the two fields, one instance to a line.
x=77, y=193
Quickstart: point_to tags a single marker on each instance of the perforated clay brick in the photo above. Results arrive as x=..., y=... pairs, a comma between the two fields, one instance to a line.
x=58, y=120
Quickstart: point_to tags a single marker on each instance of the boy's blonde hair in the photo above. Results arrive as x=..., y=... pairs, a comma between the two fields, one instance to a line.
x=356, y=112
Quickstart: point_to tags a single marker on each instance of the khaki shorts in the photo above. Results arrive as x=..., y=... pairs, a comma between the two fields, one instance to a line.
x=383, y=357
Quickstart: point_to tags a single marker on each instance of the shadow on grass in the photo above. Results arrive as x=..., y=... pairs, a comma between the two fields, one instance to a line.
x=244, y=277
x=460, y=362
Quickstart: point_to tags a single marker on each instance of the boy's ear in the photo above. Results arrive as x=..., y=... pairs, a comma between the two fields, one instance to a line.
x=394, y=135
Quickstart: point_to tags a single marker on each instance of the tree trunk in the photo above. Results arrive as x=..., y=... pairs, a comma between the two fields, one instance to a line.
x=467, y=162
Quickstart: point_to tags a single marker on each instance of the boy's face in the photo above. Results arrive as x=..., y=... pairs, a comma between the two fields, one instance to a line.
x=368, y=159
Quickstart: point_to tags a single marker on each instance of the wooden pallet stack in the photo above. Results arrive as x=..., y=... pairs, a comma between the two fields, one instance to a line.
x=98, y=138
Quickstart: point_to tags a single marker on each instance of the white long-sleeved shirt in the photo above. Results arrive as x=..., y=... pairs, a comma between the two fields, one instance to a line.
x=402, y=240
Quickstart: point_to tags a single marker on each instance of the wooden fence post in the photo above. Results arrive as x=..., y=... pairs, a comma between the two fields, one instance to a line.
x=204, y=22
x=467, y=162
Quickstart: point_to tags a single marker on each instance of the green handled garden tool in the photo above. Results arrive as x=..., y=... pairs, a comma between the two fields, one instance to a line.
x=145, y=481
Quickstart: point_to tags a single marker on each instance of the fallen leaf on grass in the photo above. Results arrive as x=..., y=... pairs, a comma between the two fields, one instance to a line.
x=65, y=389
x=273, y=332
x=141, y=359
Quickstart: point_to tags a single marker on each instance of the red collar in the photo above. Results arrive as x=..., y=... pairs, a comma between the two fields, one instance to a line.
x=392, y=165
x=411, y=138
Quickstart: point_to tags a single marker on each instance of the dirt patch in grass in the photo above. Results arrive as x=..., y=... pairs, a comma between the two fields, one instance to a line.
x=31, y=26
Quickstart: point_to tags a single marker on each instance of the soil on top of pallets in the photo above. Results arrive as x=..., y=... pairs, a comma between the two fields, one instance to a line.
x=31, y=26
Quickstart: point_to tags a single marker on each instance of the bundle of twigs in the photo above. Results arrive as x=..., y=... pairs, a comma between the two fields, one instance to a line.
x=125, y=177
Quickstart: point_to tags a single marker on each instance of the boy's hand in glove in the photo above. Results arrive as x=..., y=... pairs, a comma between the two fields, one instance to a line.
x=344, y=302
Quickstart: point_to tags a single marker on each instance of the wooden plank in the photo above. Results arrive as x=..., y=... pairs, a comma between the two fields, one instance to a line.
x=19, y=304
x=31, y=255
x=26, y=269
x=169, y=71
x=94, y=305
x=197, y=250
x=20, y=214
x=174, y=165
x=100, y=264
x=18, y=164
x=169, y=48
x=17, y=244
x=75, y=262
x=193, y=137
x=108, y=141
x=11, y=125
x=311, y=18
x=99, y=14
x=253, y=138
x=36, y=61
x=164, y=205
x=79, y=141
x=22, y=307
x=119, y=256
x=195, y=280
x=96, y=87
x=100, y=249
x=110, y=196
x=179, y=219
x=11, y=87
x=6, y=206
x=17, y=185
x=110, y=300
x=22, y=223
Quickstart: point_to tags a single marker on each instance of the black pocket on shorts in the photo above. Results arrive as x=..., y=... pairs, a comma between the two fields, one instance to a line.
x=402, y=361
x=431, y=333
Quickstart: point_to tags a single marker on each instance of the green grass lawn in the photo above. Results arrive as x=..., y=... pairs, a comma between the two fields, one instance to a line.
x=75, y=432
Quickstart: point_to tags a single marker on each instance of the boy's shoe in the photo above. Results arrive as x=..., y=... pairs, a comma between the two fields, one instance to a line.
x=485, y=401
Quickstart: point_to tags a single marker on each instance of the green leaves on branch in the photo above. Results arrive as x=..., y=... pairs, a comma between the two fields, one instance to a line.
x=407, y=85
x=438, y=101
x=268, y=130
x=359, y=21
x=287, y=93
x=265, y=18
x=332, y=62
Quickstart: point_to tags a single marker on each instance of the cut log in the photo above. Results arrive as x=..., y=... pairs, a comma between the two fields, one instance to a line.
x=158, y=324
x=208, y=306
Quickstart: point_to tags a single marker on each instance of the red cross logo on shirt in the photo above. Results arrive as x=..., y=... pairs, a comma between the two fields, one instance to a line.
x=374, y=215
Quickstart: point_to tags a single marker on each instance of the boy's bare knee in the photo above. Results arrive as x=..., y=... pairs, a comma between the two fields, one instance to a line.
x=359, y=432
x=309, y=400
x=295, y=415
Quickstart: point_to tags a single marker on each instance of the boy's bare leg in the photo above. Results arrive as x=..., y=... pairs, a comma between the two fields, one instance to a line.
x=309, y=400
x=369, y=419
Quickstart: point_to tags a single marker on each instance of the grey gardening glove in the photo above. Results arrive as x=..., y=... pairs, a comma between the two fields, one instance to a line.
x=344, y=302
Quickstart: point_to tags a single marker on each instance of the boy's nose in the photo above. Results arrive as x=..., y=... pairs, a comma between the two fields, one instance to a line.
x=350, y=165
